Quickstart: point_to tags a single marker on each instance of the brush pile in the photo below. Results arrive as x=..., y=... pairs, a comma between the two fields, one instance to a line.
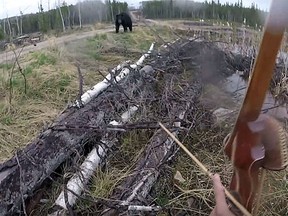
x=168, y=90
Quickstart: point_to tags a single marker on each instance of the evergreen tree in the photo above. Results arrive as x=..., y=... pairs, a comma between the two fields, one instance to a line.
x=92, y=11
x=187, y=9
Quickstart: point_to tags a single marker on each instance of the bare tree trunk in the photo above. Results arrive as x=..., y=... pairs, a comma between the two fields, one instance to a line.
x=18, y=27
x=4, y=26
x=100, y=14
x=21, y=23
x=63, y=24
x=68, y=18
x=9, y=27
x=106, y=16
x=73, y=18
x=79, y=11
x=112, y=13
x=118, y=9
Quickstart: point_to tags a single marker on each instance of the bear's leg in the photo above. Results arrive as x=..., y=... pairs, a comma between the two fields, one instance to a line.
x=125, y=28
x=117, y=28
x=130, y=28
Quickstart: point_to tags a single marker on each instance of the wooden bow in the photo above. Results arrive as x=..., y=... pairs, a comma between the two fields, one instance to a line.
x=256, y=141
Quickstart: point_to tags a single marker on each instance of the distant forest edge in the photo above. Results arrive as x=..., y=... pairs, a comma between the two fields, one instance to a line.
x=212, y=10
x=66, y=16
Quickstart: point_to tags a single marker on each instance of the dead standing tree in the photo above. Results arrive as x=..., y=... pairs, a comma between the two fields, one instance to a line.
x=61, y=15
x=79, y=14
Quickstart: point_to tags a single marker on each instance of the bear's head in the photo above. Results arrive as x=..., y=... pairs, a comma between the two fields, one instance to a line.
x=119, y=18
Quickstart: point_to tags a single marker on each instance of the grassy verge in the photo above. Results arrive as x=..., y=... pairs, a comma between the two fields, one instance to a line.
x=52, y=82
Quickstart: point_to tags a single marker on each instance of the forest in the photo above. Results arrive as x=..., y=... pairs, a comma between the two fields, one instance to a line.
x=66, y=16
x=61, y=18
x=212, y=10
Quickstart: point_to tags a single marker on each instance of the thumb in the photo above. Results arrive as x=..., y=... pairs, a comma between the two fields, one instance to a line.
x=219, y=193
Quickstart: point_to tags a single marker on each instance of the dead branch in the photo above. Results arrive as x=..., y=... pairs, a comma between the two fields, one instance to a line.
x=175, y=33
x=11, y=74
x=80, y=77
x=157, y=35
x=11, y=84
x=137, y=186
x=125, y=127
x=114, y=83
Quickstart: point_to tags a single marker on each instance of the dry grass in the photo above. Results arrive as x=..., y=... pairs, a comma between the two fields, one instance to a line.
x=50, y=85
x=52, y=82
x=195, y=194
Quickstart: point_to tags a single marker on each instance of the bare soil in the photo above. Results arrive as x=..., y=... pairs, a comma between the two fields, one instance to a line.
x=59, y=41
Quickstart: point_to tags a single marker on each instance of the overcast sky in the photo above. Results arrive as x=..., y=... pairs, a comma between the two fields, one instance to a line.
x=12, y=7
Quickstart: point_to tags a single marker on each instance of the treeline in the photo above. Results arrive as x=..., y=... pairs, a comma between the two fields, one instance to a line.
x=61, y=18
x=187, y=9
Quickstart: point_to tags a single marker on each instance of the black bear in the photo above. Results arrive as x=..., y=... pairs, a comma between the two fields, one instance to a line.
x=125, y=20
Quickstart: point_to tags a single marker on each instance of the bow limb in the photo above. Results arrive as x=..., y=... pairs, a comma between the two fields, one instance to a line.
x=244, y=146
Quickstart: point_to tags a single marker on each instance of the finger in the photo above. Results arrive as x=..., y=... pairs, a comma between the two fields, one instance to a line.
x=218, y=189
x=213, y=213
x=219, y=193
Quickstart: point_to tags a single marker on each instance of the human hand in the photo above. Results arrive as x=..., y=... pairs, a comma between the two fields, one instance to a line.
x=221, y=208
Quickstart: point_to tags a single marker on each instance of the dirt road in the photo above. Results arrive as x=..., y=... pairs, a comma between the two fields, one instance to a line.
x=9, y=55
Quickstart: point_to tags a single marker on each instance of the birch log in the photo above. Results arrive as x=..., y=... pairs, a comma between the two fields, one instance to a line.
x=100, y=87
x=140, y=182
x=92, y=162
x=51, y=148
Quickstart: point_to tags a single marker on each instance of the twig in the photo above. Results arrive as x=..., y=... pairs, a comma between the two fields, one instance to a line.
x=206, y=171
x=190, y=41
x=144, y=208
x=176, y=34
x=11, y=84
x=216, y=41
x=11, y=76
x=270, y=108
x=157, y=35
x=114, y=84
x=80, y=76
x=21, y=71
x=120, y=128
x=21, y=191
x=240, y=89
x=137, y=125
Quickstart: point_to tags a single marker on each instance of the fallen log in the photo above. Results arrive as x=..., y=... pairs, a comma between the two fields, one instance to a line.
x=91, y=163
x=135, y=188
x=138, y=186
x=25, y=172
x=99, y=87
